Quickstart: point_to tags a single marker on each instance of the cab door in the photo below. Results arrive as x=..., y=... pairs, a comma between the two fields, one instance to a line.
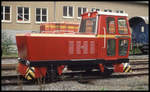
x=110, y=40
x=114, y=37
x=117, y=37
x=124, y=38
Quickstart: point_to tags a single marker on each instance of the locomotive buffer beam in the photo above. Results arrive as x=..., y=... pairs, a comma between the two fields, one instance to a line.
x=71, y=62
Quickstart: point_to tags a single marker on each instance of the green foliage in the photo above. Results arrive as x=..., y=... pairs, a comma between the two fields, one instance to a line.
x=135, y=50
x=102, y=89
x=6, y=42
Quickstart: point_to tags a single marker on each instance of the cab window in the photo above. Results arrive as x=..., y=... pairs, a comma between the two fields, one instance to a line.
x=110, y=25
x=88, y=25
x=111, y=47
x=122, y=26
x=123, y=47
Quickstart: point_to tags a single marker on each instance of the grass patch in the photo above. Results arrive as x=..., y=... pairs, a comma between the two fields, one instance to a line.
x=135, y=51
x=140, y=88
x=102, y=89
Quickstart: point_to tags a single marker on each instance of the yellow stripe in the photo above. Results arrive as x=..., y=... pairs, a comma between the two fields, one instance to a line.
x=71, y=27
x=125, y=65
x=27, y=69
x=32, y=68
x=26, y=76
x=68, y=35
x=29, y=78
x=107, y=36
x=63, y=27
x=32, y=73
x=51, y=26
x=63, y=35
x=27, y=72
x=112, y=36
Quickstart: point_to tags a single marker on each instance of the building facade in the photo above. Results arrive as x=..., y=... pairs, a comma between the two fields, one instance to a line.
x=26, y=16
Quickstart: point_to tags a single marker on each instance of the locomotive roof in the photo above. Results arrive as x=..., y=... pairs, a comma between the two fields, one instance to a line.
x=112, y=13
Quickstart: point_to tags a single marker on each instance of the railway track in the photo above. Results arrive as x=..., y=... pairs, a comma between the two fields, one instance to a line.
x=11, y=77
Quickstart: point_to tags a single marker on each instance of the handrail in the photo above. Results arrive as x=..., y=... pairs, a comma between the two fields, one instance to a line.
x=104, y=37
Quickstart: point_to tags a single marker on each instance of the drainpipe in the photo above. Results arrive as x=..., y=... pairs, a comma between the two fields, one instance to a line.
x=54, y=11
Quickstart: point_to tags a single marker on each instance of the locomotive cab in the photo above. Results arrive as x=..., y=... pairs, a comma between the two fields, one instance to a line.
x=102, y=43
x=112, y=31
x=113, y=38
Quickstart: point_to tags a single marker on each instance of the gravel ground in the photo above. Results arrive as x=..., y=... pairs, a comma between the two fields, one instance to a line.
x=139, y=57
x=130, y=83
x=9, y=61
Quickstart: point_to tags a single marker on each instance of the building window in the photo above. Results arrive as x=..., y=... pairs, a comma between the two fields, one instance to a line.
x=23, y=15
x=95, y=9
x=107, y=10
x=119, y=11
x=68, y=11
x=81, y=11
x=5, y=14
x=41, y=15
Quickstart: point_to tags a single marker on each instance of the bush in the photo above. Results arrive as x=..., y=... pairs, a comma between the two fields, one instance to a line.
x=6, y=42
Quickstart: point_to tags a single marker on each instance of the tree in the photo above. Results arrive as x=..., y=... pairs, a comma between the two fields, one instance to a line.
x=6, y=42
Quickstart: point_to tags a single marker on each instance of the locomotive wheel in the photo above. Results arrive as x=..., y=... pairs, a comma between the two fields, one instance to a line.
x=52, y=74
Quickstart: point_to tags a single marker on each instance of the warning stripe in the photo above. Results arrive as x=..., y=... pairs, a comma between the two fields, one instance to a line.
x=30, y=68
x=127, y=68
x=30, y=73
x=29, y=76
x=125, y=65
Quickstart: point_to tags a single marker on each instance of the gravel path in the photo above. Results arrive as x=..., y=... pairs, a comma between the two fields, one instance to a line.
x=130, y=83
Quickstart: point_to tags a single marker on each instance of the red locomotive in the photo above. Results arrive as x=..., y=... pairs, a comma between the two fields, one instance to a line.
x=102, y=43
